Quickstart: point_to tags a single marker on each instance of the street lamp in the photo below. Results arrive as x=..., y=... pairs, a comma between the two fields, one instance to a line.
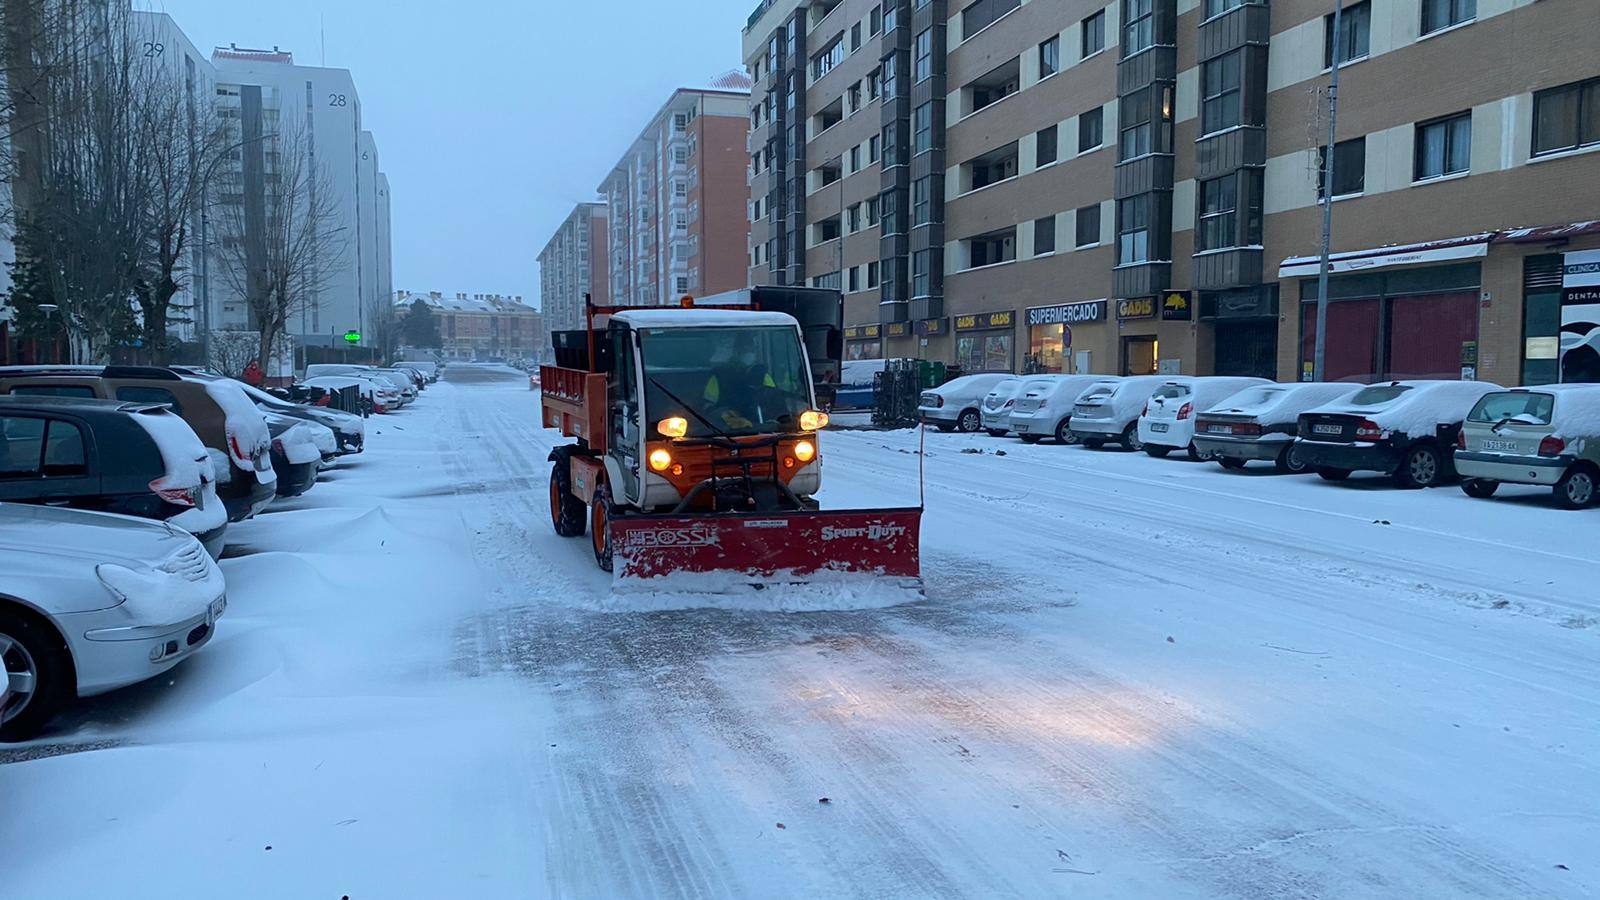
x=49, y=310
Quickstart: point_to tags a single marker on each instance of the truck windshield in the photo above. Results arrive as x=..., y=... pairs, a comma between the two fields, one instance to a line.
x=747, y=380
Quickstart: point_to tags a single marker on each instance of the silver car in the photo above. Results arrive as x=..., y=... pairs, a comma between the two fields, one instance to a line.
x=91, y=602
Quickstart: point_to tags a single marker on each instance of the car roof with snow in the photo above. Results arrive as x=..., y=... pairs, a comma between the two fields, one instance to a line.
x=683, y=317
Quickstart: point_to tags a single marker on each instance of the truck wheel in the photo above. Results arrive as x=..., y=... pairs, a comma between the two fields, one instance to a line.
x=1289, y=461
x=1481, y=488
x=970, y=421
x=566, y=511
x=1575, y=490
x=1422, y=467
x=38, y=669
x=600, y=528
x=1328, y=473
x=1064, y=434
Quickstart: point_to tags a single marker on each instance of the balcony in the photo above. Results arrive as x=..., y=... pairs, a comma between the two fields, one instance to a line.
x=989, y=89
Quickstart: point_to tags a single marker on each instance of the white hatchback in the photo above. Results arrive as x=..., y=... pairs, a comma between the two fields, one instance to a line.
x=958, y=402
x=91, y=602
x=1044, y=408
x=996, y=415
x=1167, y=422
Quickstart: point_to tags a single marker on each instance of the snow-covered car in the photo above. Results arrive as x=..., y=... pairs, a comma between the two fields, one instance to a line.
x=1260, y=422
x=91, y=602
x=1109, y=413
x=1547, y=435
x=348, y=429
x=1044, y=408
x=380, y=397
x=996, y=410
x=957, y=403
x=401, y=381
x=1167, y=421
x=1401, y=428
x=137, y=459
x=297, y=452
x=428, y=370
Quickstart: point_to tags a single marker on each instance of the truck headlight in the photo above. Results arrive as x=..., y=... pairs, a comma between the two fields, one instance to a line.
x=813, y=420
x=805, y=451
x=673, y=427
x=660, y=460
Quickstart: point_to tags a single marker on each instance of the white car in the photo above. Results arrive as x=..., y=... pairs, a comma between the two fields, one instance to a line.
x=1044, y=408
x=1260, y=423
x=402, y=382
x=1167, y=422
x=1109, y=413
x=91, y=602
x=996, y=413
x=382, y=395
x=956, y=404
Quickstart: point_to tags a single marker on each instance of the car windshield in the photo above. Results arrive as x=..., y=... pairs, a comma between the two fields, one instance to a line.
x=1379, y=394
x=728, y=380
x=1522, y=407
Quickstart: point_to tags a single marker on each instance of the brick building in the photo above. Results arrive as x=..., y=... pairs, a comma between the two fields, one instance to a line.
x=481, y=326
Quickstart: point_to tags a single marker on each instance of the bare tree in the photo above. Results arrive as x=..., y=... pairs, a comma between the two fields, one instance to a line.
x=231, y=352
x=281, y=235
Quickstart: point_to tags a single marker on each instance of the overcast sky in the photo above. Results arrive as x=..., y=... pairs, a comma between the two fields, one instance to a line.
x=493, y=117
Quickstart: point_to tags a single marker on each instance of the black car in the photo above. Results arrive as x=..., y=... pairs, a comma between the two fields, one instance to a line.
x=1406, y=429
x=294, y=461
x=137, y=459
x=347, y=427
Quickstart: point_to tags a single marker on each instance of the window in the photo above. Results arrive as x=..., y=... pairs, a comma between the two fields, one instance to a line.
x=1220, y=92
x=853, y=280
x=874, y=83
x=680, y=154
x=823, y=62
x=33, y=447
x=980, y=15
x=872, y=211
x=919, y=272
x=855, y=37
x=1133, y=230
x=680, y=189
x=150, y=395
x=681, y=284
x=1138, y=29
x=1045, y=147
x=922, y=201
x=1444, y=147
x=872, y=150
x=889, y=207
x=891, y=152
x=1091, y=129
x=923, y=57
x=1355, y=26
x=852, y=216
x=888, y=68
x=1438, y=14
x=922, y=128
x=1044, y=235
x=1219, y=200
x=1050, y=57
x=1218, y=7
x=1135, y=139
x=1349, y=168
x=993, y=248
x=875, y=21
x=53, y=390
x=855, y=158
x=680, y=222
x=680, y=121
x=1094, y=35
x=889, y=9
x=1567, y=117
x=855, y=96
x=872, y=274
x=1088, y=226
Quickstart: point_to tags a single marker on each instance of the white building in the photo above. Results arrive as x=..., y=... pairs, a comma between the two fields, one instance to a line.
x=273, y=95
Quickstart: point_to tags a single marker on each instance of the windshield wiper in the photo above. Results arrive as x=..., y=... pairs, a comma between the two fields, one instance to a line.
x=689, y=409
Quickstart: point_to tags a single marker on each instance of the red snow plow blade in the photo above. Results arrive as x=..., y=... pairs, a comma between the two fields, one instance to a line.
x=759, y=549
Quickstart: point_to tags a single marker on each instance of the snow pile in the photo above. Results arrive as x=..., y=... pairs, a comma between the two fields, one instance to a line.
x=188, y=464
x=780, y=592
x=1430, y=404
x=1577, y=413
x=246, y=428
x=1129, y=395
x=1278, y=404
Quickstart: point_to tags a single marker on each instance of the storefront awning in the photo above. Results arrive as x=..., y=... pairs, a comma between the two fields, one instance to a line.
x=1545, y=233
x=1472, y=246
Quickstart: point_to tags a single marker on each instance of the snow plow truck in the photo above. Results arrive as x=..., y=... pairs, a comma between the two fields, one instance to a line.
x=697, y=454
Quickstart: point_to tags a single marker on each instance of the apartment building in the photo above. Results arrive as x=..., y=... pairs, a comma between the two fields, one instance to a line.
x=282, y=106
x=1134, y=186
x=676, y=216
x=573, y=265
x=480, y=326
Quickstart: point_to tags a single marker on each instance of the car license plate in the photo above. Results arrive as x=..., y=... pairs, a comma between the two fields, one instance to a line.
x=1499, y=445
x=1158, y=427
x=1219, y=429
x=217, y=607
x=1327, y=429
x=1019, y=427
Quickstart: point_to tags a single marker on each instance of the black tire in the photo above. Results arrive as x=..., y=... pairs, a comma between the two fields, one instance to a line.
x=29, y=646
x=1576, y=489
x=1229, y=462
x=1094, y=443
x=567, y=513
x=945, y=427
x=1130, y=437
x=1196, y=454
x=1064, y=433
x=997, y=432
x=1329, y=473
x=1481, y=488
x=969, y=421
x=1157, y=452
x=1422, y=467
x=1289, y=461
x=600, y=528
x=1030, y=438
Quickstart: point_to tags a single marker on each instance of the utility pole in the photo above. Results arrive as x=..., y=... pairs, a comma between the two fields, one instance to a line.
x=1319, y=358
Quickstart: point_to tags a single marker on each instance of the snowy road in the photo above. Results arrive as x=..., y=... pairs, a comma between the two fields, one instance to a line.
x=1132, y=678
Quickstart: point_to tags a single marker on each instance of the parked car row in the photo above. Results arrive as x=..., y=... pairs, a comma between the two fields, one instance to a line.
x=1422, y=433
x=117, y=487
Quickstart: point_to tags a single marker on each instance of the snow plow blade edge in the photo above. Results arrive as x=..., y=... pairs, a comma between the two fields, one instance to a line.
x=770, y=548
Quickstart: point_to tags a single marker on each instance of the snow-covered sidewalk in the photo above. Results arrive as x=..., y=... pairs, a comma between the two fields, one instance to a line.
x=1132, y=678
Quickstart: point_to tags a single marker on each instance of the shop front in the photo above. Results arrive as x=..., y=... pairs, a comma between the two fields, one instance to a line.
x=1050, y=346
x=1579, y=345
x=1244, y=323
x=985, y=342
x=1405, y=324
x=863, y=342
x=1141, y=345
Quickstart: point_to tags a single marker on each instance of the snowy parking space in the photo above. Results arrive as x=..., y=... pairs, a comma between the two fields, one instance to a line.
x=1131, y=678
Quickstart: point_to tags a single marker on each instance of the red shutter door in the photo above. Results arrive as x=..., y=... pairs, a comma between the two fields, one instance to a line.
x=1426, y=333
x=1352, y=351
